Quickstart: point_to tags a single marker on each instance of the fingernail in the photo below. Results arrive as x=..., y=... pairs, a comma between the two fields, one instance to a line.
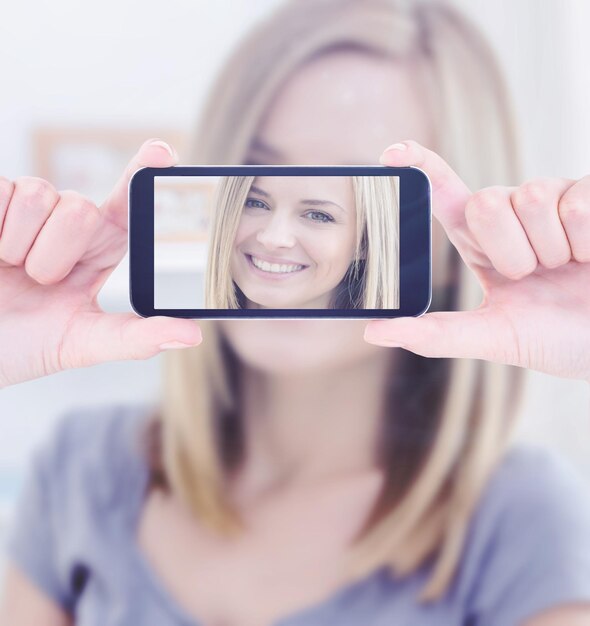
x=396, y=146
x=163, y=144
x=174, y=345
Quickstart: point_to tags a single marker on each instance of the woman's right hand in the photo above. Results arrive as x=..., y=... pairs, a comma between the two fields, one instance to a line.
x=56, y=251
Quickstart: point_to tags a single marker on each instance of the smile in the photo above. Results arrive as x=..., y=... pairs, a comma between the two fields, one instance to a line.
x=274, y=268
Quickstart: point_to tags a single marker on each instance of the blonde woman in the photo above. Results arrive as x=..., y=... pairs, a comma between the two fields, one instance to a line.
x=295, y=473
x=304, y=242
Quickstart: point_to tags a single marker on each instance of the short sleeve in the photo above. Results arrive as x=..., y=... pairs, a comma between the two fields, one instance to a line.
x=33, y=543
x=88, y=467
x=530, y=548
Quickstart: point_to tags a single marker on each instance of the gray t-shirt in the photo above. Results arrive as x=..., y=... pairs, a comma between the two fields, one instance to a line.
x=528, y=547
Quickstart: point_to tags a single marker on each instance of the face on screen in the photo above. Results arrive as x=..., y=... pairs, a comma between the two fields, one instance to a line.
x=295, y=241
x=276, y=242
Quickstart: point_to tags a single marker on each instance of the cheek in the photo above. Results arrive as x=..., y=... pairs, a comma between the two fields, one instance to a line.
x=333, y=250
x=246, y=229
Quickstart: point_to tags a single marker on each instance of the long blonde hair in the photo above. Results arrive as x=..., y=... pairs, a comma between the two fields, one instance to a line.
x=372, y=279
x=449, y=420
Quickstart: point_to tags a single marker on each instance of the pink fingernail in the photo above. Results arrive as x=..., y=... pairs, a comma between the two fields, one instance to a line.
x=396, y=146
x=174, y=345
x=163, y=144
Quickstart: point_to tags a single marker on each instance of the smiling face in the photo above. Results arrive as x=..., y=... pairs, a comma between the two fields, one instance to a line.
x=295, y=241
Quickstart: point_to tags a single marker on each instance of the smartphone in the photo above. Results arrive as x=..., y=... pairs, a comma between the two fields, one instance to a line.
x=211, y=242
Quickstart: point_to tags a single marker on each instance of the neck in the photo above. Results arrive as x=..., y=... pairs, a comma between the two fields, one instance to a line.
x=308, y=427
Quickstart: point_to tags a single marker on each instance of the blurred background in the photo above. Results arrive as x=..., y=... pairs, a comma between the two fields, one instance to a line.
x=83, y=85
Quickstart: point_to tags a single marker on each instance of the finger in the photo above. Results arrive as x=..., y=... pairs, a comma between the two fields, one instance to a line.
x=535, y=204
x=153, y=153
x=574, y=213
x=448, y=190
x=64, y=238
x=460, y=334
x=32, y=201
x=6, y=191
x=499, y=233
x=110, y=337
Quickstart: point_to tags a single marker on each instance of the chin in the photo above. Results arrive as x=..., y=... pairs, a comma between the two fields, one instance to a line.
x=269, y=303
x=276, y=300
x=297, y=346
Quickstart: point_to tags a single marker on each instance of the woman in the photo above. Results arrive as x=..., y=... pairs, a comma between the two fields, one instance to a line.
x=298, y=473
x=304, y=242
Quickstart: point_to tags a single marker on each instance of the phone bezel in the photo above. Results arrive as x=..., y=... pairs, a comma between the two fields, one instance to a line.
x=415, y=240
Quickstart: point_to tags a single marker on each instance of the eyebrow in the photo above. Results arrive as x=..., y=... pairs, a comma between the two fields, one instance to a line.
x=260, y=192
x=322, y=203
x=263, y=193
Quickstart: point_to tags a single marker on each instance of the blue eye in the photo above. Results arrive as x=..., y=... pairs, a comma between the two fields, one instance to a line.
x=255, y=204
x=324, y=217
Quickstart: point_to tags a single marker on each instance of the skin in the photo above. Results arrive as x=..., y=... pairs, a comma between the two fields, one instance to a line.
x=278, y=224
x=295, y=460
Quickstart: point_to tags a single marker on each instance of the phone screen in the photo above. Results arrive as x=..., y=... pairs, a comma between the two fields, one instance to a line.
x=276, y=242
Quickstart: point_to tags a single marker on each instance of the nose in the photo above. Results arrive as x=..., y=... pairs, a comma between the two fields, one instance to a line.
x=277, y=232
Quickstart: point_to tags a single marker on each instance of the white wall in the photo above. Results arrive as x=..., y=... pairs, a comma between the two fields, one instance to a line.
x=123, y=64
x=544, y=49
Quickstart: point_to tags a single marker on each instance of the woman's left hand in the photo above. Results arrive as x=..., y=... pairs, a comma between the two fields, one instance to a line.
x=529, y=247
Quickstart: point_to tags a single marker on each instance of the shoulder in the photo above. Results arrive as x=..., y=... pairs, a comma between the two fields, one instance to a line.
x=528, y=548
x=531, y=481
x=103, y=425
x=94, y=450
x=89, y=470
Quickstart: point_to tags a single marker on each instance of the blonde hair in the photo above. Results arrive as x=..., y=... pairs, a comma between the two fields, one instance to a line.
x=448, y=420
x=372, y=279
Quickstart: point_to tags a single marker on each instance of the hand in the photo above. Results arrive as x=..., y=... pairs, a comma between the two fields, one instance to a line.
x=56, y=252
x=529, y=248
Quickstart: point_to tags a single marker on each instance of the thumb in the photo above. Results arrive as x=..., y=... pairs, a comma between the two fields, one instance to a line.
x=449, y=192
x=152, y=153
x=448, y=334
x=112, y=337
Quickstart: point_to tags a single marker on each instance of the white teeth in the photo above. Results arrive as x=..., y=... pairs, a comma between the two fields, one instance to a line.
x=275, y=267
